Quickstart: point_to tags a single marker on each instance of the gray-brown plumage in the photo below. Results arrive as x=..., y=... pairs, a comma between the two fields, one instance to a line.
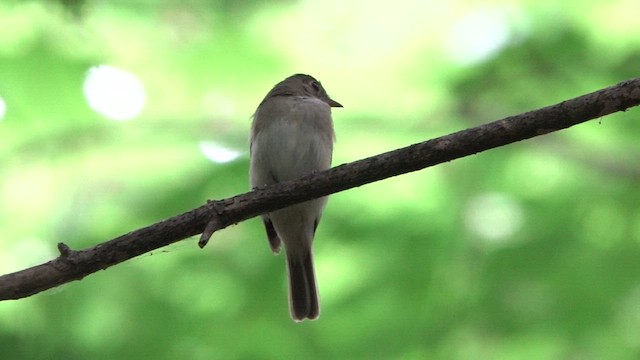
x=291, y=136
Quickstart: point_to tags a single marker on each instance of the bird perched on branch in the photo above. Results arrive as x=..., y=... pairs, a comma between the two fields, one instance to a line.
x=291, y=136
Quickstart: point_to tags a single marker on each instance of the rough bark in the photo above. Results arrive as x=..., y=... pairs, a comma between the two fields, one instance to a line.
x=215, y=215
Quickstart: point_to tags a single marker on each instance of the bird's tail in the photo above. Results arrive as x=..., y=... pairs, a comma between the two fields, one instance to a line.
x=303, y=294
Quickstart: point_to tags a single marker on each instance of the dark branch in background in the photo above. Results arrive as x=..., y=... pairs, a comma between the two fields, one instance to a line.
x=215, y=215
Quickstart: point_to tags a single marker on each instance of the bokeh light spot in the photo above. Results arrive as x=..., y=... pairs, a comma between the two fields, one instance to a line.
x=478, y=36
x=494, y=217
x=114, y=93
x=3, y=108
x=218, y=153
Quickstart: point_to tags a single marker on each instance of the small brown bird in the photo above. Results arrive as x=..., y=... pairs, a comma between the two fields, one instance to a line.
x=291, y=136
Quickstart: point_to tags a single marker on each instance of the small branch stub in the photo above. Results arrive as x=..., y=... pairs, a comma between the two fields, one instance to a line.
x=212, y=226
x=214, y=223
x=64, y=250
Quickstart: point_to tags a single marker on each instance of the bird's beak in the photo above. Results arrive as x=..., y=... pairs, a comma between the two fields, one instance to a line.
x=333, y=103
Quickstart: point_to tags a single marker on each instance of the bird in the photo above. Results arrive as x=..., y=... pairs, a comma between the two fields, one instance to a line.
x=292, y=135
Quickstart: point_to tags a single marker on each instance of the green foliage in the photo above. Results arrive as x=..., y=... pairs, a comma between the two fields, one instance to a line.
x=530, y=251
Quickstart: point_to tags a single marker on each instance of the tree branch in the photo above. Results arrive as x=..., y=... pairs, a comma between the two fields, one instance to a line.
x=75, y=265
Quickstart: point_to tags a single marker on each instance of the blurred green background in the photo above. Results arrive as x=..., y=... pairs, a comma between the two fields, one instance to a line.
x=117, y=114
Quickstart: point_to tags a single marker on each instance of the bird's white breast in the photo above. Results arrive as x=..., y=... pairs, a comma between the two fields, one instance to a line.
x=295, y=138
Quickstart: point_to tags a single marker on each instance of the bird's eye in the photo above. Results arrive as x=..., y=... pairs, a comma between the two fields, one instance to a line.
x=316, y=85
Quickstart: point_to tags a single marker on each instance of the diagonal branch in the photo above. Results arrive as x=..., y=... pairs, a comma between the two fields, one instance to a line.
x=75, y=265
